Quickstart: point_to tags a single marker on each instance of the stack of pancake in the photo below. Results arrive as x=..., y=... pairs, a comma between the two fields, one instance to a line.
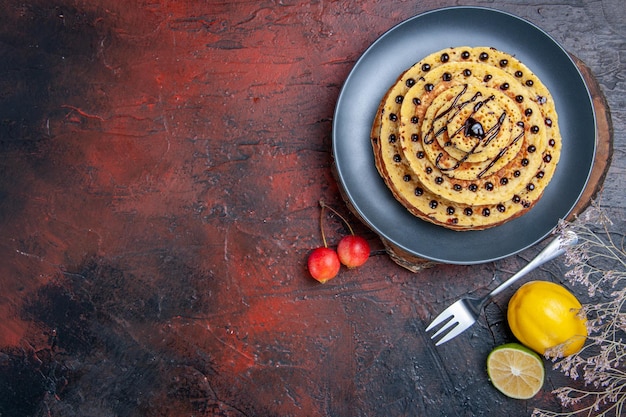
x=467, y=138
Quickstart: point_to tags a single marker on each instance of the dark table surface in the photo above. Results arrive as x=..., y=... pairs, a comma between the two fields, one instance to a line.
x=161, y=164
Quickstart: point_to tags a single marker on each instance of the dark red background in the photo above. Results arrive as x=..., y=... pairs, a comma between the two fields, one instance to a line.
x=161, y=164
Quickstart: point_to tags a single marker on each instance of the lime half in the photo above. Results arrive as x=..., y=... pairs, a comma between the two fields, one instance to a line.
x=515, y=370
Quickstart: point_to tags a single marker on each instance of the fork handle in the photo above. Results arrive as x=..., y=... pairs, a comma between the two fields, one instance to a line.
x=554, y=249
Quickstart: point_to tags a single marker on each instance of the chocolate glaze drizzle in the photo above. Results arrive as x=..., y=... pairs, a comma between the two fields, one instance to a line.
x=471, y=128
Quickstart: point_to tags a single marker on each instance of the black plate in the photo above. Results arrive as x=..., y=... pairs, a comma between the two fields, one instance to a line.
x=397, y=50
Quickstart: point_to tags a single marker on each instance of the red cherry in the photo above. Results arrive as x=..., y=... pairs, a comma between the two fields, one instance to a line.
x=353, y=251
x=323, y=264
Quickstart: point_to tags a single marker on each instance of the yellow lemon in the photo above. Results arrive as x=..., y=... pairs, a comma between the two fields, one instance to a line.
x=543, y=315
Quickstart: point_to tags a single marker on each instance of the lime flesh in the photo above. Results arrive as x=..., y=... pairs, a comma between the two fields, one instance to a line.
x=516, y=371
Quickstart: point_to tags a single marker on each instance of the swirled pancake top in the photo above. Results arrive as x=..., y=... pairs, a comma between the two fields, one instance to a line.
x=467, y=138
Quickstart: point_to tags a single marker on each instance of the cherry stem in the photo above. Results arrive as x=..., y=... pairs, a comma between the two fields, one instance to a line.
x=322, y=225
x=324, y=205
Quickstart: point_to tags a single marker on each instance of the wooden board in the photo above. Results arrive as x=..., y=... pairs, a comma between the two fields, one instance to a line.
x=602, y=161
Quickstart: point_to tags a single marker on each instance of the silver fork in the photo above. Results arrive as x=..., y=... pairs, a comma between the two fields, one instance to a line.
x=461, y=315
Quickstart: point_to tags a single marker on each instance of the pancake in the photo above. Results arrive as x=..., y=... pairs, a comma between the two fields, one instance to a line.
x=467, y=138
